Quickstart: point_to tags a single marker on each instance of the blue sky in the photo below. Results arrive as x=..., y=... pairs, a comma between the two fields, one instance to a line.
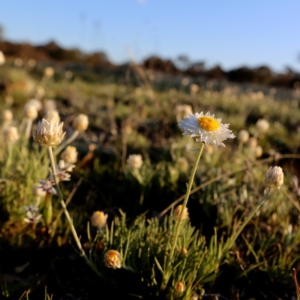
x=231, y=33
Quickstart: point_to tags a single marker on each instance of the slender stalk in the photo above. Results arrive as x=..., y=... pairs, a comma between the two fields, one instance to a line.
x=28, y=129
x=179, y=220
x=77, y=240
x=67, y=142
x=249, y=217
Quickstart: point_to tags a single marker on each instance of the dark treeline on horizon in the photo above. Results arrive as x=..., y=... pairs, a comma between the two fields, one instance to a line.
x=182, y=66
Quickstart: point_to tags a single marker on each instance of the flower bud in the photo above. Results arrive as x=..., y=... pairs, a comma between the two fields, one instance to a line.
x=177, y=212
x=30, y=111
x=262, y=125
x=2, y=58
x=69, y=155
x=81, y=122
x=179, y=288
x=274, y=178
x=7, y=115
x=112, y=259
x=243, y=136
x=99, y=219
x=135, y=161
x=11, y=134
x=48, y=72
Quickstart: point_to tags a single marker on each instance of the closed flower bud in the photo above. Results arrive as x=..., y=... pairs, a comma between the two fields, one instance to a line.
x=2, y=58
x=53, y=115
x=274, y=178
x=69, y=155
x=49, y=133
x=177, y=212
x=179, y=288
x=135, y=161
x=7, y=115
x=99, y=219
x=36, y=103
x=11, y=134
x=183, y=164
x=30, y=111
x=262, y=125
x=81, y=122
x=112, y=259
x=243, y=136
x=48, y=72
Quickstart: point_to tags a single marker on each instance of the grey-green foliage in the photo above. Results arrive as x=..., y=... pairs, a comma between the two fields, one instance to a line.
x=145, y=245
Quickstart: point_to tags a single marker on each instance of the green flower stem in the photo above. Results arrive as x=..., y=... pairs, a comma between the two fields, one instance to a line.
x=253, y=212
x=77, y=240
x=167, y=275
x=67, y=142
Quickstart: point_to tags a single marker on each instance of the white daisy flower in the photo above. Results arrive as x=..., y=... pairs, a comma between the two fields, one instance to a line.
x=206, y=129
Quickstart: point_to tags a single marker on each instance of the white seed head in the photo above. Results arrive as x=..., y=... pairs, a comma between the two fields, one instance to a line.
x=274, y=178
x=81, y=122
x=69, y=155
x=49, y=133
x=135, y=161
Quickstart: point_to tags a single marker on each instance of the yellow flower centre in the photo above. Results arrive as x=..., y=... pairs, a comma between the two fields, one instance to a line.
x=208, y=123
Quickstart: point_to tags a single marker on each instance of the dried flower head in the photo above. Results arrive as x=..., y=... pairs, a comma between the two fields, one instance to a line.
x=243, y=136
x=49, y=133
x=112, y=259
x=206, y=129
x=11, y=134
x=135, y=161
x=99, y=219
x=274, y=178
x=69, y=155
x=81, y=122
x=177, y=212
